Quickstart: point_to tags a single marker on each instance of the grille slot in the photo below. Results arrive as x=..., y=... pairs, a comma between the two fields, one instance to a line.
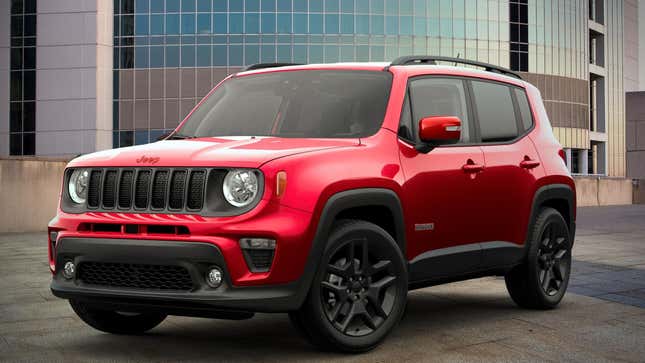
x=177, y=189
x=196, y=189
x=94, y=189
x=142, y=189
x=138, y=276
x=159, y=187
x=109, y=189
x=125, y=189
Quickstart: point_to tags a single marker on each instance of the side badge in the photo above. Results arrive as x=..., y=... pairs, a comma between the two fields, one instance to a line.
x=424, y=227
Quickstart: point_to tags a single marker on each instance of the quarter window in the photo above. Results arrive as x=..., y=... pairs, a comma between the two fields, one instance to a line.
x=440, y=97
x=525, y=109
x=495, y=112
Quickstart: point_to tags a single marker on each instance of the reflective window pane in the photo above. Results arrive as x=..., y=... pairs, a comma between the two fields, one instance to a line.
x=141, y=24
x=188, y=23
x=268, y=23
x=220, y=24
x=172, y=24
x=188, y=56
x=283, y=23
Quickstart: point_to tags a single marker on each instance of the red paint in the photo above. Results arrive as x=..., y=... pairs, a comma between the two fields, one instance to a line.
x=470, y=193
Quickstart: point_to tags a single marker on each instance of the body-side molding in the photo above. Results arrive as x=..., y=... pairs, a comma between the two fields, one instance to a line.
x=463, y=261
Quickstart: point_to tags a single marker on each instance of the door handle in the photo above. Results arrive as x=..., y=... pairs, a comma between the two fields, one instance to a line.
x=471, y=167
x=528, y=163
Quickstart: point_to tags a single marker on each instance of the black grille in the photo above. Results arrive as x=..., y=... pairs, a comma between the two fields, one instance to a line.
x=196, y=189
x=142, y=189
x=125, y=189
x=94, y=189
x=176, y=190
x=139, y=276
x=159, y=187
x=109, y=189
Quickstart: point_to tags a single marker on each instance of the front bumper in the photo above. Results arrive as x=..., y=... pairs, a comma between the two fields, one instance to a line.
x=195, y=257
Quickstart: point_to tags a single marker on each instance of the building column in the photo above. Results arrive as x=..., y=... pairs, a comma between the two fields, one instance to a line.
x=74, y=77
x=567, y=158
x=601, y=158
x=583, y=161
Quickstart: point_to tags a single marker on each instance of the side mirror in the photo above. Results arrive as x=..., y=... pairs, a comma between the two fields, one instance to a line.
x=439, y=130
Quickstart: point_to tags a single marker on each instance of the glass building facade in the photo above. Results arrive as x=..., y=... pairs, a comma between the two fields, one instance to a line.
x=169, y=53
x=165, y=55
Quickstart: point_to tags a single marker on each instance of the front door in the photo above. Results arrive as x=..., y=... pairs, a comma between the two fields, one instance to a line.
x=442, y=186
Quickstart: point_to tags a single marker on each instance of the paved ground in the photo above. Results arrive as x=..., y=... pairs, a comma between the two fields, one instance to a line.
x=602, y=319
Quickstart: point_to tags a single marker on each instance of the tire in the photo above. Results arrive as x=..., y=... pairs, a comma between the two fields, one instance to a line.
x=542, y=280
x=352, y=306
x=115, y=322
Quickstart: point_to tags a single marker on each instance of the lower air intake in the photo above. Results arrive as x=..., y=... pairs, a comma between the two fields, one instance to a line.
x=138, y=276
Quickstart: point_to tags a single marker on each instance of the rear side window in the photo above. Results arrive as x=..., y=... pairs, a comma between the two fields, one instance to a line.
x=525, y=109
x=440, y=97
x=496, y=115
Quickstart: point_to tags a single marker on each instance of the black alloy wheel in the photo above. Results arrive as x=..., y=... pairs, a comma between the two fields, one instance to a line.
x=554, y=259
x=359, y=288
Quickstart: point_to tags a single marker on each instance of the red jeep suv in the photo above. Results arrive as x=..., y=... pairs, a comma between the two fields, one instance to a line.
x=324, y=191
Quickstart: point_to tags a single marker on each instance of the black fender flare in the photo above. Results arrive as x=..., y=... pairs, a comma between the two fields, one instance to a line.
x=337, y=203
x=554, y=192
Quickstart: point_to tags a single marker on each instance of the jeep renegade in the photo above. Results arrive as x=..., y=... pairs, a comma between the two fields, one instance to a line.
x=326, y=192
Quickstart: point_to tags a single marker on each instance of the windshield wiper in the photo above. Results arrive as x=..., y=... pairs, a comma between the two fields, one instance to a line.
x=177, y=136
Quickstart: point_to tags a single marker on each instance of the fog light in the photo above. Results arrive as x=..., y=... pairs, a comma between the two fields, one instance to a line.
x=53, y=236
x=69, y=270
x=214, y=277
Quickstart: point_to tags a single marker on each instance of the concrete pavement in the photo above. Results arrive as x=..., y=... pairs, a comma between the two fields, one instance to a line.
x=602, y=318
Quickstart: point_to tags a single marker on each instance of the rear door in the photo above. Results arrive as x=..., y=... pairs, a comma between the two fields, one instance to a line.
x=512, y=168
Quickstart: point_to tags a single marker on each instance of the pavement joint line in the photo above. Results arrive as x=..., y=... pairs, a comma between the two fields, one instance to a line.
x=454, y=348
x=533, y=323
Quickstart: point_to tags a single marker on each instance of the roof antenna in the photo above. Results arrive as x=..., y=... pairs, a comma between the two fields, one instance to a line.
x=458, y=54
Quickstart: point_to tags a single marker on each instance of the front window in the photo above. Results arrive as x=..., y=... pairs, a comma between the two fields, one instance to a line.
x=305, y=104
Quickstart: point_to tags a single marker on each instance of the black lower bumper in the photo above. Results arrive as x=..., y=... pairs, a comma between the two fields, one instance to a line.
x=196, y=258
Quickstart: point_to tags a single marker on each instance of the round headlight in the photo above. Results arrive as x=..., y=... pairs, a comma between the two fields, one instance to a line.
x=78, y=184
x=240, y=187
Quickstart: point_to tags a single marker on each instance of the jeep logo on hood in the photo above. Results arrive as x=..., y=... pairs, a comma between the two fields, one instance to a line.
x=147, y=160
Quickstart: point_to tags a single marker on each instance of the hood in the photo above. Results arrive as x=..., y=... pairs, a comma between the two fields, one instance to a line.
x=244, y=152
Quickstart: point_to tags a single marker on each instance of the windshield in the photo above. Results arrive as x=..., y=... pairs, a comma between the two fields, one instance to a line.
x=308, y=104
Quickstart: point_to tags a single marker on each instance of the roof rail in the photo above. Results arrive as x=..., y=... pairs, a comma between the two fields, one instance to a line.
x=432, y=60
x=267, y=65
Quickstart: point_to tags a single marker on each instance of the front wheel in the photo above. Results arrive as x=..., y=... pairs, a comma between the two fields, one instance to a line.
x=358, y=294
x=116, y=322
x=541, y=281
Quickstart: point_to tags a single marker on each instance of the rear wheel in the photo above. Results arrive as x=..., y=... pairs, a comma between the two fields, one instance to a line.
x=116, y=322
x=359, y=293
x=540, y=283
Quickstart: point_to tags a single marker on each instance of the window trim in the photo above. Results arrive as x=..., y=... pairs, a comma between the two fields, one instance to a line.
x=472, y=109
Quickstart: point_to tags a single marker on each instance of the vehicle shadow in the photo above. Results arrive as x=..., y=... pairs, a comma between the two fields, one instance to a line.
x=431, y=318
